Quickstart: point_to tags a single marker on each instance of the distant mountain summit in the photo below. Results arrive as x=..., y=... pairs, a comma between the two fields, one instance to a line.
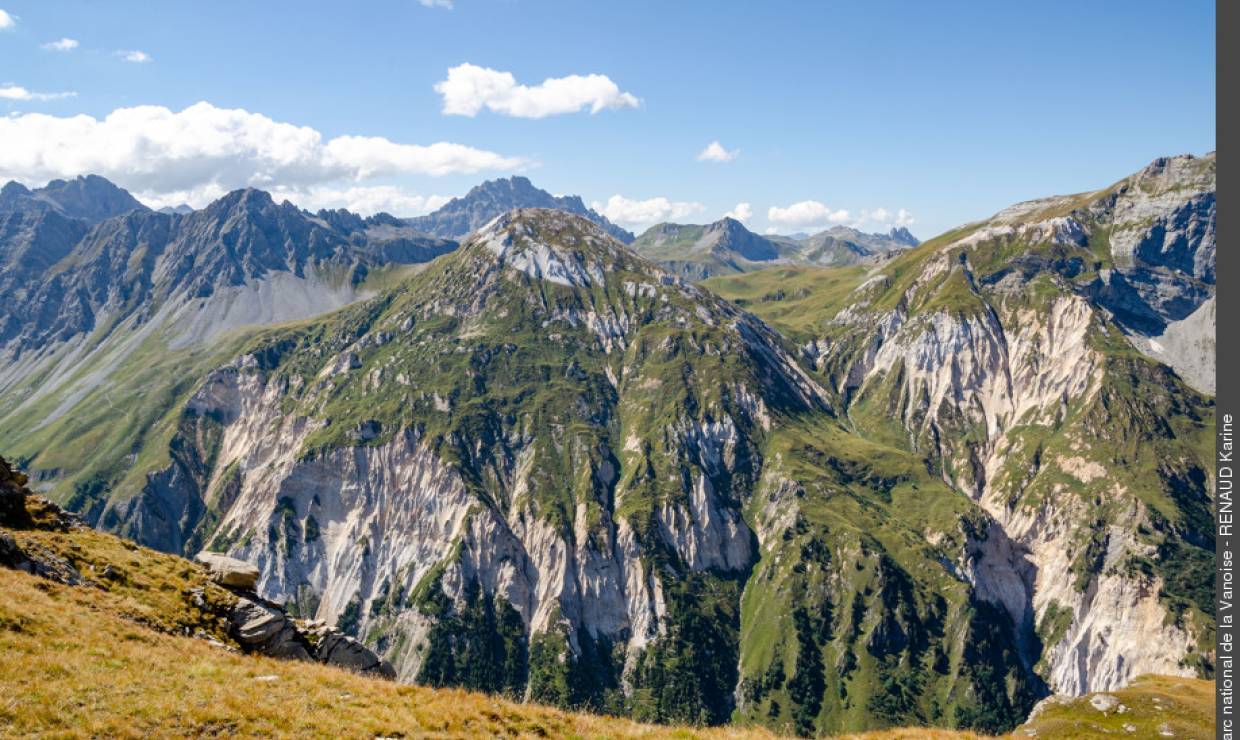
x=903, y=235
x=89, y=198
x=492, y=198
x=700, y=251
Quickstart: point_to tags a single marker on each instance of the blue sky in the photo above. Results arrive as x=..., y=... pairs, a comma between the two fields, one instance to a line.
x=831, y=112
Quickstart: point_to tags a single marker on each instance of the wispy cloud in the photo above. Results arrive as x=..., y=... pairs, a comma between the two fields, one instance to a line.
x=17, y=92
x=470, y=88
x=632, y=212
x=7, y=22
x=65, y=44
x=445, y=4
x=714, y=152
x=134, y=56
x=195, y=154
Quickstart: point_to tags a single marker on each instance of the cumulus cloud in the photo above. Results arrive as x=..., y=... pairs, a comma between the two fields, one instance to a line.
x=65, y=44
x=470, y=88
x=17, y=92
x=202, y=151
x=884, y=217
x=365, y=200
x=714, y=152
x=624, y=210
x=742, y=212
x=806, y=214
x=134, y=56
x=445, y=4
x=7, y=22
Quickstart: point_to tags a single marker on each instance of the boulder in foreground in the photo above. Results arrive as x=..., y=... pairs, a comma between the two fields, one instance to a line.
x=229, y=572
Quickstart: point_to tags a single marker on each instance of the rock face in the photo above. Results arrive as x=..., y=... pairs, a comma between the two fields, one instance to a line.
x=1004, y=354
x=460, y=216
x=12, y=497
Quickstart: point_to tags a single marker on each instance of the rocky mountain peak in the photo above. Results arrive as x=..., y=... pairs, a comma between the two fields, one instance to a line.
x=485, y=201
x=1181, y=172
x=552, y=245
x=11, y=190
x=88, y=198
x=902, y=235
x=250, y=199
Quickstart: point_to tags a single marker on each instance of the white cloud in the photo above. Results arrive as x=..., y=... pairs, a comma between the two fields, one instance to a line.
x=806, y=214
x=7, y=22
x=742, y=212
x=365, y=200
x=714, y=152
x=470, y=88
x=624, y=210
x=135, y=56
x=65, y=44
x=445, y=4
x=203, y=151
x=885, y=217
x=17, y=92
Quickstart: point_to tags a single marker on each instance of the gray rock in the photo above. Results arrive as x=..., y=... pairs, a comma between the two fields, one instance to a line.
x=1103, y=702
x=227, y=571
x=345, y=652
x=264, y=628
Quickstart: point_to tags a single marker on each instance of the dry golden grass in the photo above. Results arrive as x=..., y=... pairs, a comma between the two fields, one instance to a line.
x=73, y=666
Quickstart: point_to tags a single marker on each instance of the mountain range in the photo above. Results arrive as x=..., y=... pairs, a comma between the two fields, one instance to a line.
x=726, y=247
x=930, y=485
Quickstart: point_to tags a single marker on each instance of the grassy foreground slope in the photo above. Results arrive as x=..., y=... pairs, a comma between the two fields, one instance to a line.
x=1151, y=706
x=109, y=658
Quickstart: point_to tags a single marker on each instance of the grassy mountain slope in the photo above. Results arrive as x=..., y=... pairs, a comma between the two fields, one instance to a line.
x=559, y=394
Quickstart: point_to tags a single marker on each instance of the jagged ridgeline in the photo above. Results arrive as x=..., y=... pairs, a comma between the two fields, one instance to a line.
x=546, y=467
